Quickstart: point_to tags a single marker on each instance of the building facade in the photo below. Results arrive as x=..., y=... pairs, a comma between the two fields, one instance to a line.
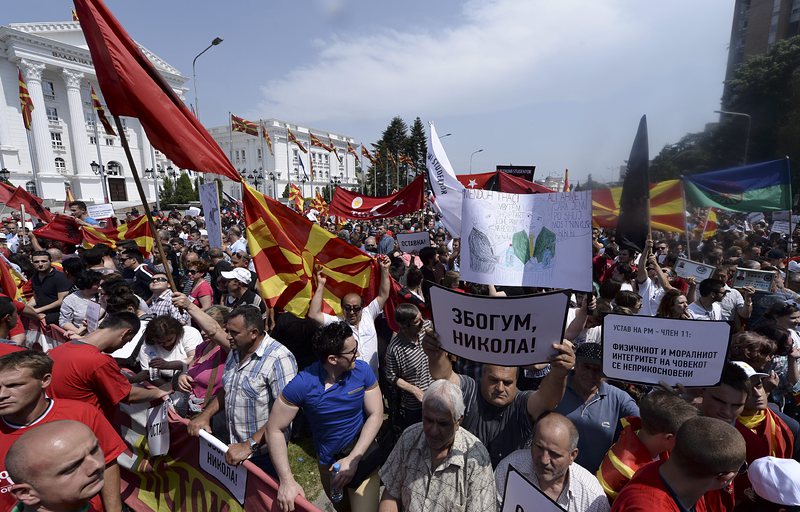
x=65, y=139
x=271, y=171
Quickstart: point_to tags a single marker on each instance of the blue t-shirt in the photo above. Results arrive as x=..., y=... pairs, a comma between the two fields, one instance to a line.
x=336, y=414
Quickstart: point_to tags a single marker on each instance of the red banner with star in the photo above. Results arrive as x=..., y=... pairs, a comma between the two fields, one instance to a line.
x=352, y=205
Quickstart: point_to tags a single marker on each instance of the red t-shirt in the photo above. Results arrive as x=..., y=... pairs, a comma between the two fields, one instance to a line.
x=18, y=328
x=7, y=348
x=60, y=409
x=647, y=492
x=81, y=372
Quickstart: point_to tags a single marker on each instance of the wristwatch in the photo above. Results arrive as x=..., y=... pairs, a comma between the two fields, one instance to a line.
x=253, y=445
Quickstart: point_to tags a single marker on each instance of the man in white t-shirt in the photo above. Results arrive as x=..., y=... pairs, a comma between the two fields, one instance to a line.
x=360, y=318
x=651, y=281
x=736, y=302
x=707, y=306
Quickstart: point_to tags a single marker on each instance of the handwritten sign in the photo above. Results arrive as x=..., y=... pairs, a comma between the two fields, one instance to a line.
x=506, y=331
x=649, y=350
x=527, y=239
x=521, y=495
x=761, y=280
x=212, y=461
x=100, y=211
x=413, y=242
x=688, y=268
x=780, y=226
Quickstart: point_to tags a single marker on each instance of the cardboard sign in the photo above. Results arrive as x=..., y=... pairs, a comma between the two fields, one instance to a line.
x=687, y=268
x=521, y=495
x=761, y=280
x=413, y=242
x=212, y=461
x=158, y=429
x=93, y=314
x=209, y=198
x=100, y=211
x=649, y=350
x=527, y=239
x=506, y=331
x=192, y=211
x=784, y=215
x=780, y=226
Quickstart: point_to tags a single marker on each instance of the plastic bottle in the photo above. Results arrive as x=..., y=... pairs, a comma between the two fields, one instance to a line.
x=336, y=494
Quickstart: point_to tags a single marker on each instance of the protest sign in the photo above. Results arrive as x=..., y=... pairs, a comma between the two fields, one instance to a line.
x=192, y=211
x=780, y=226
x=158, y=429
x=506, y=331
x=93, y=314
x=784, y=215
x=761, y=280
x=100, y=211
x=688, y=268
x=527, y=240
x=649, y=350
x=209, y=198
x=521, y=495
x=411, y=242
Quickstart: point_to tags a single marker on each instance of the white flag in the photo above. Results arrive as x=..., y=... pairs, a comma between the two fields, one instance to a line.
x=447, y=190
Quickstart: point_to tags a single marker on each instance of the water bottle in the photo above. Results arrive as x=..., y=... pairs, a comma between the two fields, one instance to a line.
x=336, y=494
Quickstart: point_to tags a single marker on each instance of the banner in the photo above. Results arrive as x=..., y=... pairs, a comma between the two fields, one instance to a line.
x=649, y=350
x=352, y=205
x=633, y=224
x=444, y=185
x=761, y=280
x=520, y=171
x=100, y=211
x=410, y=242
x=193, y=475
x=527, y=240
x=506, y=331
x=761, y=187
x=521, y=495
x=209, y=199
x=688, y=268
x=783, y=215
x=780, y=226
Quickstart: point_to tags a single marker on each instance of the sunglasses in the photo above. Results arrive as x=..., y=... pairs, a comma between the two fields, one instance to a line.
x=351, y=309
x=159, y=280
x=192, y=272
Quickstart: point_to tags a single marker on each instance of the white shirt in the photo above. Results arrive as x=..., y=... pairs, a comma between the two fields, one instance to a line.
x=239, y=245
x=365, y=335
x=188, y=342
x=651, y=295
x=698, y=312
x=732, y=302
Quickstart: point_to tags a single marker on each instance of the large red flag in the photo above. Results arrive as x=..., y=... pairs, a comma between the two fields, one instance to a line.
x=351, y=205
x=133, y=87
x=33, y=205
x=62, y=228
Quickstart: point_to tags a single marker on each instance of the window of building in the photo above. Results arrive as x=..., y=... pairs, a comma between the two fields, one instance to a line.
x=55, y=138
x=49, y=90
x=89, y=117
x=114, y=169
x=61, y=165
x=109, y=141
x=52, y=113
x=92, y=140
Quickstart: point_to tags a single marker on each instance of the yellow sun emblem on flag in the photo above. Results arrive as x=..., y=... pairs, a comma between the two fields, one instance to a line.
x=357, y=202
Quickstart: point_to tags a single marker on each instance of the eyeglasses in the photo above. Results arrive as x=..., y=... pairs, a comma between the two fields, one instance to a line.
x=741, y=471
x=350, y=353
x=159, y=280
x=351, y=309
x=193, y=272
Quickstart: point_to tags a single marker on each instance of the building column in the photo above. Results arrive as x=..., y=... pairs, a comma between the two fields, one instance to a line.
x=77, y=122
x=43, y=146
x=5, y=138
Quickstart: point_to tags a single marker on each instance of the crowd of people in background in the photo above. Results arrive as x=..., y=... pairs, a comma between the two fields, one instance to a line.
x=390, y=409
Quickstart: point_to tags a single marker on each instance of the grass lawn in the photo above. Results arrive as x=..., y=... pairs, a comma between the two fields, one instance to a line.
x=303, y=461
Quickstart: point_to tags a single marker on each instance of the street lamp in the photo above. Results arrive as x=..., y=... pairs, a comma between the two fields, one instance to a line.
x=747, y=138
x=171, y=171
x=100, y=170
x=274, y=185
x=153, y=174
x=470, y=158
x=215, y=42
x=4, y=174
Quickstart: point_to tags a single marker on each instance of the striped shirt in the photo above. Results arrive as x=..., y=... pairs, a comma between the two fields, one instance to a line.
x=253, y=385
x=406, y=360
x=162, y=306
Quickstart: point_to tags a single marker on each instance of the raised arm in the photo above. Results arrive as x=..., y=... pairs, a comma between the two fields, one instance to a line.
x=641, y=270
x=579, y=322
x=552, y=388
x=315, y=307
x=206, y=324
x=280, y=417
x=438, y=362
x=385, y=286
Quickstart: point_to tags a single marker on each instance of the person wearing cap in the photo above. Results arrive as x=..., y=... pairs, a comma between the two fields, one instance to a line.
x=764, y=431
x=594, y=406
x=239, y=292
x=775, y=486
x=133, y=261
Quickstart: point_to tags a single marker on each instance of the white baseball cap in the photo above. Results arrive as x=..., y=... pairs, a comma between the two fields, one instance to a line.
x=748, y=370
x=240, y=274
x=776, y=480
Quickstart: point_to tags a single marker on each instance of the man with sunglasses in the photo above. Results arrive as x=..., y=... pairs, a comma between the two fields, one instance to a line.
x=133, y=261
x=708, y=454
x=359, y=318
x=161, y=301
x=707, y=306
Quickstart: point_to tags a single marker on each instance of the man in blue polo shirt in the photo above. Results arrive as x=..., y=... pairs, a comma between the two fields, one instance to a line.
x=594, y=406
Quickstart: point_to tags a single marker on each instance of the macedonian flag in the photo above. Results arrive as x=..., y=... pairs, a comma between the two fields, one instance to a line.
x=267, y=138
x=292, y=138
x=137, y=230
x=296, y=197
x=352, y=150
x=25, y=102
x=240, y=124
x=667, y=211
x=366, y=153
x=101, y=113
x=318, y=143
x=288, y=249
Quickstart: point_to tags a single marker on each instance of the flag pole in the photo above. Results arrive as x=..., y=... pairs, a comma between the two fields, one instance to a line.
x=288, y=163
x=685, y=223
x=230, y=138
x=99, y=157
x=154, y=233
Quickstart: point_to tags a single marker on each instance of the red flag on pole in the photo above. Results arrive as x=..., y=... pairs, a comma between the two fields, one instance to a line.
x=132, y=86
x=25, y=102
x=33, y=205
x=101, y=113
x=351, y=205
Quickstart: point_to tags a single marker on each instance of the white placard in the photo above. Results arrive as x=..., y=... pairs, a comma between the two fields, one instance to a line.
x=784, y=215
x=92, y=316
x=209, y=198
x=100, y=211
x=688, y=268
x=158, y=429
x=506, y=331
x=754, y=217
x=527, y=239
x=761, y=280
x=649, y=350
x=780, y=226
x=521, y=495
x=212, y=461
x=192, y=211
x=413, y=242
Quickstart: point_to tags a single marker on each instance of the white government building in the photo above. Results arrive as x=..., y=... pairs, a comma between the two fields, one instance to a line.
x=65, y=147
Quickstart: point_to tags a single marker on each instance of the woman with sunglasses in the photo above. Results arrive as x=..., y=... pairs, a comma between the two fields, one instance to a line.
x=201, y=292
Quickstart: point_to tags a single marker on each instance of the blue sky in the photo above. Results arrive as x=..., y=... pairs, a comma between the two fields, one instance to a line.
x=553, y=83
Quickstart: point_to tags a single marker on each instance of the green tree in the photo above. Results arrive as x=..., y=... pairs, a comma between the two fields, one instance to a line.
x=387, y=151
x=286, y=190
x=184, y=191
x=167, y=192
x=417, y=146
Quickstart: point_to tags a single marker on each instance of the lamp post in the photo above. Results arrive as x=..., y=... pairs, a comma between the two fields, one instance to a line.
x=153, y=174
x=747, y=137
x=4, y=175
x=100, y=170
x=215, y=42
x=470, y=158
x=173, y=173
x=273, y=178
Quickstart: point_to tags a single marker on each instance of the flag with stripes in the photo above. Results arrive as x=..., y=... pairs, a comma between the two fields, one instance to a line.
x=405, y=159
x=333, y=149
x=288, y=249
x=101, y=113
x=318, y=143
x=240, y=124
x=352, y=150
x=293, y=139
x=566, y=181
x=26, y=104
x=366, y=153
x=667, y=211
x=267, y=138
x=296, y=197
x=137, y=230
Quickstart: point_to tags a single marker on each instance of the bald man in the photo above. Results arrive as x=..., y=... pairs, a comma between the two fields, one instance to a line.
x=57, y=466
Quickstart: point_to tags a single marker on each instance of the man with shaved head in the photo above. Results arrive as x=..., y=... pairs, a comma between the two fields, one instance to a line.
x=57, y=466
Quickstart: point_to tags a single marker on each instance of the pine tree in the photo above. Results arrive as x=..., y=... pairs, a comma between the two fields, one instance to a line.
x=417, y=146
x=184, y=191
x=167, y=192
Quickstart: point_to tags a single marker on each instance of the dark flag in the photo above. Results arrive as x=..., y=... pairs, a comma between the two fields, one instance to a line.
x=634, y=211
